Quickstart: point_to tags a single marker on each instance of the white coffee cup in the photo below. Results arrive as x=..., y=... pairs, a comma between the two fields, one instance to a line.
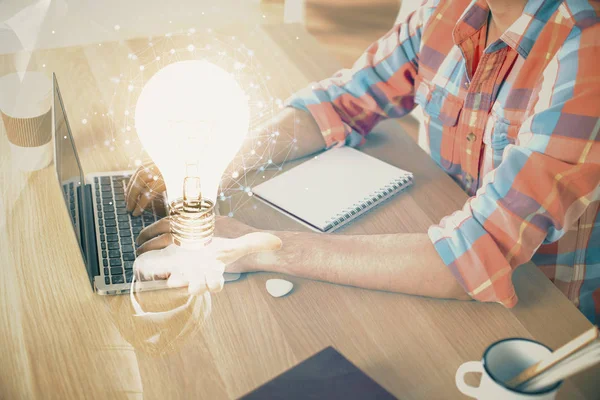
x=25, y=108
x=502, y=361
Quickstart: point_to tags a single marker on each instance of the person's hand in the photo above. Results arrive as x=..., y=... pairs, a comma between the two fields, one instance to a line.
x=201, y=270
x=158, y=235
x=143, y=187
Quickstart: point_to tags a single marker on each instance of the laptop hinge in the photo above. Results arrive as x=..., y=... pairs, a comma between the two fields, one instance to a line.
x=88, y=233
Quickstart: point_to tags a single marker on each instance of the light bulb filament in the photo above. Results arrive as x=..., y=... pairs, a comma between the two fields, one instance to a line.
x=192, y=194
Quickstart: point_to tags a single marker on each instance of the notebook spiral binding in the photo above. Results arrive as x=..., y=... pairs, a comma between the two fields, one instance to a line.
x=397, y=185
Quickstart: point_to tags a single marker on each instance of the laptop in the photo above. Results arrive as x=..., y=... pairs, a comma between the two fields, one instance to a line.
x=96, y=204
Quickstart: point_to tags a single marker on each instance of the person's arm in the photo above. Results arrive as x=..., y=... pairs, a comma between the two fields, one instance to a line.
x=404, y=263
x=298, y=136
x=380, y=85
x=344, y=108
x=541, y=188
x=336, y=111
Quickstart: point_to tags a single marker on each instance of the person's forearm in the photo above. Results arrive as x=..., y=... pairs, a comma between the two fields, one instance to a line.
x=405, y=263
x=291, y=134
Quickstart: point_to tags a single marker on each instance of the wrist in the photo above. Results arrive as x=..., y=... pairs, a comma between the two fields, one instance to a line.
x=283, y=259
x=262, y=252
x=267, y=261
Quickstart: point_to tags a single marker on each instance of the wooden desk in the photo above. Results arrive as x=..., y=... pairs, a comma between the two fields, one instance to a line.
x=60, y=340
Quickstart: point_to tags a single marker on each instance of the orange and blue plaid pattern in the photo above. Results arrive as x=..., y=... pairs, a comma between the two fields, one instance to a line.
x=515, y=123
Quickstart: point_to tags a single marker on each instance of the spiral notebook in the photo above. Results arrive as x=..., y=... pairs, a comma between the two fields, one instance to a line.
x=333, y=188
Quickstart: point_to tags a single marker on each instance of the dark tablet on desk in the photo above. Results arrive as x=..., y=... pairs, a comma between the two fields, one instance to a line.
x=326, y=375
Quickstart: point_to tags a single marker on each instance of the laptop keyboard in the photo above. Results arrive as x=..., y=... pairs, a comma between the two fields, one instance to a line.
x=118, y=229
x=69, y=192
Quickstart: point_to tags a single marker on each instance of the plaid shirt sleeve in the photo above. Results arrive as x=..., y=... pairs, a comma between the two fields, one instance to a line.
x=542, y=186
x=379, y=85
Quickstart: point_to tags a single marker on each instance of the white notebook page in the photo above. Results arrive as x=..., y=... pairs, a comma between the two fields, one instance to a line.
x=328, y=184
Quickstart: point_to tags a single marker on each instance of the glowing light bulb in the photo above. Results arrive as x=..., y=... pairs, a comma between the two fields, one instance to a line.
x=192, y=118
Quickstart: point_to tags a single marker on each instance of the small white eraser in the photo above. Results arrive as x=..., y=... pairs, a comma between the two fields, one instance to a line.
x=279, y=287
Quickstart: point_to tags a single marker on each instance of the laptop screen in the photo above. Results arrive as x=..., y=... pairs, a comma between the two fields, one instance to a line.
x=68, y=168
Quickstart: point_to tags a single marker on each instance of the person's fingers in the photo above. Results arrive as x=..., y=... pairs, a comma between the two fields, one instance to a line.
x=145, y=177
x=160, y=205
x=141, y=269
x=151, y=267
x=151, y=274
x=214, y=281
x=159, y=242
x=131, y=180
x=177, y=279
x=146, y=197
x=142, y=274
x=153, y=230
x=134, y=187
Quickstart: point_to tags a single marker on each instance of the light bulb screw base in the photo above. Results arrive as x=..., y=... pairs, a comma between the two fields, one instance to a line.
x=192, y=224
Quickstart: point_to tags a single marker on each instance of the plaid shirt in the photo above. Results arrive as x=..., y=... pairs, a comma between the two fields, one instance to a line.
x=516, y=124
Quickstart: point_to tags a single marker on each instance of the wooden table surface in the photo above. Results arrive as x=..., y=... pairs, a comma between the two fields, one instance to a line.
x=60, y=340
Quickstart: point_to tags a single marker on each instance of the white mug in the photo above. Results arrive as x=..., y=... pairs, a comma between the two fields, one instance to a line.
x=502, y=361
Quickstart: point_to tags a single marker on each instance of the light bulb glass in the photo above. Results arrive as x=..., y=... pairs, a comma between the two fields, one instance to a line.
x=192, y=118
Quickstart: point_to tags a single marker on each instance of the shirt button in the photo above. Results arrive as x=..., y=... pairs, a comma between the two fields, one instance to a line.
x=471, y=137
x=468, y=179
x=466, y=84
